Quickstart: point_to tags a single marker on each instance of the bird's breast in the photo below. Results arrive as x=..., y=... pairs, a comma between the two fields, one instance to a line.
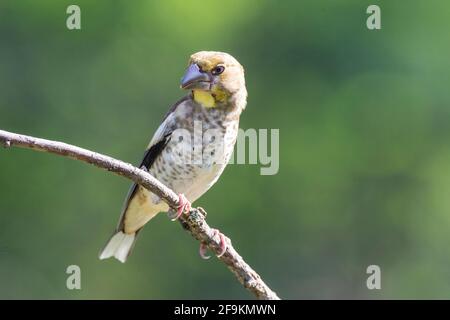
x=196, y=155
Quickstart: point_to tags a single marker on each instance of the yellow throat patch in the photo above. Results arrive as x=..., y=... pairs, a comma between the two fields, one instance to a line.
x=205, y=98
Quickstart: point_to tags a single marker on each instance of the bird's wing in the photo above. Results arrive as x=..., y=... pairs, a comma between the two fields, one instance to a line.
x=158, y=142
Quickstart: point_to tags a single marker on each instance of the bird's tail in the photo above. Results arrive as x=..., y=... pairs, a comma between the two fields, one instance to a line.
x=119, y=246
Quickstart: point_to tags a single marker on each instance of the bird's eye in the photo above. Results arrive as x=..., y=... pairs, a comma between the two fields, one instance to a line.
x=218, y=70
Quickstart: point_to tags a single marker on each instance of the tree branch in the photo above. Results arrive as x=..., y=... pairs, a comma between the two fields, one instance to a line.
x=195, y=223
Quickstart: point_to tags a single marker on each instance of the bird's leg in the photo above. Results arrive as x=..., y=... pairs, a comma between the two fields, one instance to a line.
x=183, y=206
x=202, y=251
x=223, y=245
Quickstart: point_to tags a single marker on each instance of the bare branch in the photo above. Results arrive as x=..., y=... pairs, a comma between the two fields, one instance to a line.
x=195, y=223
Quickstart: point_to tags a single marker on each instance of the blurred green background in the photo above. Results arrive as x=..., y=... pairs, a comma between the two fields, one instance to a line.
x=364, y=121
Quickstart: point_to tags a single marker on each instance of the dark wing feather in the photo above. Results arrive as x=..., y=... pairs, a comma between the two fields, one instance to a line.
x=157, y=144
x=148, y=160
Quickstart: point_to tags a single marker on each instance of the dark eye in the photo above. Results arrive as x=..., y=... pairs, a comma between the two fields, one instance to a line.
x=218, y=70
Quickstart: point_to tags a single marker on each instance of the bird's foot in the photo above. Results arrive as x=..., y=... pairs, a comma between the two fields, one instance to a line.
x=183, y=206
x=223, y=245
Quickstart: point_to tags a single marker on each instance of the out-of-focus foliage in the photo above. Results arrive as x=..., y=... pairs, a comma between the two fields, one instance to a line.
x=364, y=121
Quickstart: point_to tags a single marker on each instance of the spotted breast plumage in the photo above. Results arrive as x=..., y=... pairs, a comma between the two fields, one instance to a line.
x=191, y=147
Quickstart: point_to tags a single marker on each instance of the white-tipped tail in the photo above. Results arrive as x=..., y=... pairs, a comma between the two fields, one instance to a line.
x=119, y=246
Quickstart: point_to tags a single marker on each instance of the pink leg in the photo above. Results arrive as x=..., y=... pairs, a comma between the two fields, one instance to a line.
x=202, y=251
x=184, y=206
x=223, y=246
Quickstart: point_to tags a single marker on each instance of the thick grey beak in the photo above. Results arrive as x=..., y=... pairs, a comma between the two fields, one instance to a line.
x=194, y=78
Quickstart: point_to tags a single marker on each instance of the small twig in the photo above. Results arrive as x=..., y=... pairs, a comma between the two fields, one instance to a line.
x=195, y=223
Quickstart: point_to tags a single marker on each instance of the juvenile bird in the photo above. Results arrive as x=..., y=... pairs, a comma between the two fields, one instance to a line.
x=191, y=147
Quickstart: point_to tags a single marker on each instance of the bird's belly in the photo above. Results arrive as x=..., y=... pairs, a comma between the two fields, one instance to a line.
x=193, y=181
x=191, y=165
x=200, y=179
x=190, y=178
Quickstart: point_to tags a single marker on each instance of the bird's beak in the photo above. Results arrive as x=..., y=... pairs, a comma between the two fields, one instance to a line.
x=194, y=78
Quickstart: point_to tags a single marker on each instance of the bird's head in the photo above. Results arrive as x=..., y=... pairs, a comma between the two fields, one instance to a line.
x=215, y=78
